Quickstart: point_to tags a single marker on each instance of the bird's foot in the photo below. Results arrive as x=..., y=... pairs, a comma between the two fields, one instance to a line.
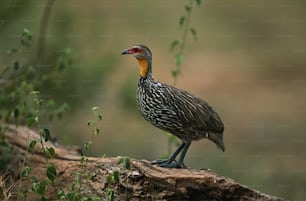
x=162, y=161
x=174, y=164
x=167, y=163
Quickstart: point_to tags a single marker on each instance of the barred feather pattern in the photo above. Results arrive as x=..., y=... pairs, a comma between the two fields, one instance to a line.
x=178, y=112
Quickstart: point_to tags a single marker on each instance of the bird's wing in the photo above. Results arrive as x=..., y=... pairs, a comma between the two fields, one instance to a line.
x=194, y=112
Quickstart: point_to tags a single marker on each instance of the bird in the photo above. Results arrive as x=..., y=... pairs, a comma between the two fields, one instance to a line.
x=174, y=110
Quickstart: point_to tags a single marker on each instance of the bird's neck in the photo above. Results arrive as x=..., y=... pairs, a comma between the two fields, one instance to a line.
x=145, y=82
x=144, y=67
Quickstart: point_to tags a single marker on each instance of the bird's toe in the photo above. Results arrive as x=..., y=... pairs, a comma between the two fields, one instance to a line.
x=169, y=164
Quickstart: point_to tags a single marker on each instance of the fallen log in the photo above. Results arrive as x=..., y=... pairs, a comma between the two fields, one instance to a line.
x=142, y=181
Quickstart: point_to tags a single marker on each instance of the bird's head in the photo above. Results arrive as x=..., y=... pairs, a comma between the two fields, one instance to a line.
x=144, y=57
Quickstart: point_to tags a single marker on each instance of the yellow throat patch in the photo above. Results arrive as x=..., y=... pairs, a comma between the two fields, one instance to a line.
x=143, y=67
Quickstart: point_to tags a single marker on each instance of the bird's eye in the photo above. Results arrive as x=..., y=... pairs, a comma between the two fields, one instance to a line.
x=136, y=50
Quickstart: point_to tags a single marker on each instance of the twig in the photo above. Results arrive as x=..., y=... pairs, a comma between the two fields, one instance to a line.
x=185, y=21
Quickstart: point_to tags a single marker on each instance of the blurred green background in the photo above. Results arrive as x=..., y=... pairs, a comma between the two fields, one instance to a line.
x=248, y=63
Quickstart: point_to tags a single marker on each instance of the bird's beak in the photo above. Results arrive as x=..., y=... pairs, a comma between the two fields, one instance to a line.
x=127, y=51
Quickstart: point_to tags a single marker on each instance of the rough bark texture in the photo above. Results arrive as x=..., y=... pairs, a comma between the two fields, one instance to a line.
x=143, y=182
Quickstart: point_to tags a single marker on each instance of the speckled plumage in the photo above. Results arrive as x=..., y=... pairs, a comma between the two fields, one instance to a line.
x=177, y=111
x=174, y=110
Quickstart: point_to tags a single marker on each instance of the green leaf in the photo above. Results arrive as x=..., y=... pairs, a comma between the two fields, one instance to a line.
x=198, y=2
x=120, y=161
x=46, y=134
x=26, y=37
x=194, y=33
x=64, y=59
x=51, y=171
x=97, y=131
x=26, y=171
x=87, y=145
x=94, y=109
x=11, y=50
x=74, y=187
x=60, y=195
x=109, y=179
x=89, y=123
x=15, y=65
x=188, y=8
x=42, y=188
x=16, y=113
x=83, y=159
x=34, y=179
x=178, y=59
x=35, y=93
x=111, y=195
x=116, y=175
x=174, y=44
x=175, y=72
x=27, y=33
x=125, y=161
x=50, y=151
x=182, y=20
x=44, y=199
x=31, y=121
x=70, y=196
x=96, y=113
x=35, y=186
x=32, y=145
x=79, y=178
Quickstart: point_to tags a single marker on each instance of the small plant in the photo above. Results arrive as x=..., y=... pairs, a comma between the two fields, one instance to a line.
x=114, y=177
x=74, y=193
x=13, y=105
x=20, y=81
x=22, y=105
x=125, y=161
x=39, y=186
x=178, y=46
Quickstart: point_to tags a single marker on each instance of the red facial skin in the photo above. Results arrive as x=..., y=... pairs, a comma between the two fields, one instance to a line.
x=135, y=50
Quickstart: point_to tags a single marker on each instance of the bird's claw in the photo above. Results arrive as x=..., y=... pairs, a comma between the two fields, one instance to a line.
x=162, y=161
x=166, y=163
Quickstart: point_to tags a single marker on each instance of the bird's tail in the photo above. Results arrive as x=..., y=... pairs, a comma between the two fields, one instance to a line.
x=217, y=138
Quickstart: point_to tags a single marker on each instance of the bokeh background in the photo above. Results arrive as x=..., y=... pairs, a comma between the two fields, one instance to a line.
x=248, y=63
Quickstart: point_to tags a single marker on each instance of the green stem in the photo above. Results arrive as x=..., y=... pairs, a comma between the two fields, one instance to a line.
x=180, y=52
x=5, y=68
x=177, y=69
x=186, y=28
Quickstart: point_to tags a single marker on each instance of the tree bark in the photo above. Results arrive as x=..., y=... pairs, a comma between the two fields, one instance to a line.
x=142, y=182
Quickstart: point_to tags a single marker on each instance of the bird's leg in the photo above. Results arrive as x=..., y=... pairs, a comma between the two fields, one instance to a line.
x=171, y=157
x=180, y=162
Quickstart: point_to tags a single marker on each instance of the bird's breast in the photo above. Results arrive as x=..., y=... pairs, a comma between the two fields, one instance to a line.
x=153, y=105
